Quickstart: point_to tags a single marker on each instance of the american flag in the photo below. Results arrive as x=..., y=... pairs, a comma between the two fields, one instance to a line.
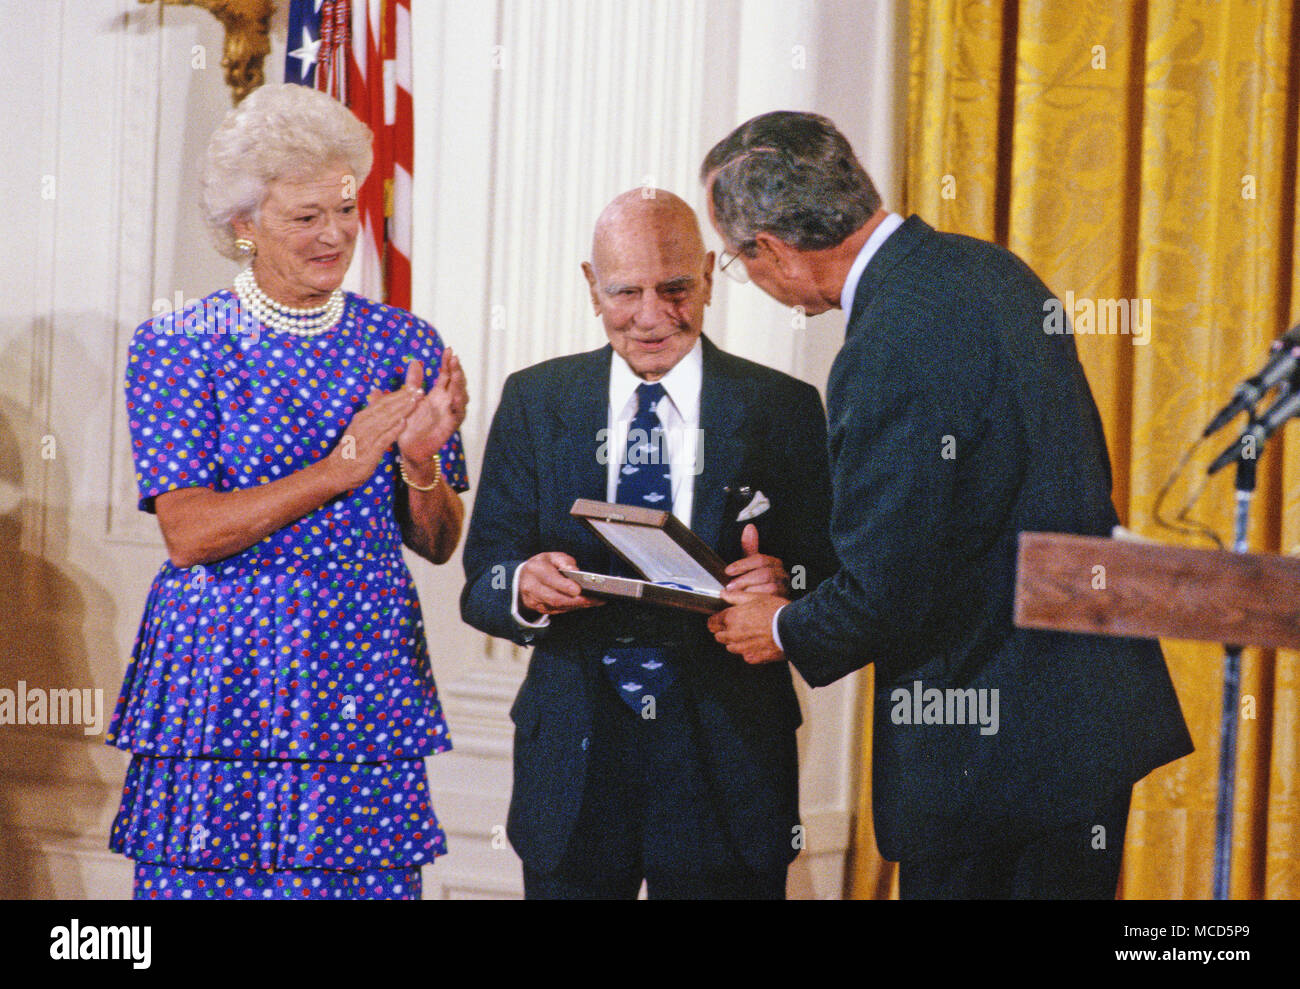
x=359, y=51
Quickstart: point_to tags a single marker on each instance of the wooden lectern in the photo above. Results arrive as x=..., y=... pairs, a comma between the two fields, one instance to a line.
x=1149, y=590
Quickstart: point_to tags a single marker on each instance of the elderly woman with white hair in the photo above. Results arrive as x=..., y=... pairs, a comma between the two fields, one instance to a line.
x=279, y=702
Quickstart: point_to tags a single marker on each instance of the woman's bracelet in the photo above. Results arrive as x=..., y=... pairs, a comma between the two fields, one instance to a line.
x=437, y=474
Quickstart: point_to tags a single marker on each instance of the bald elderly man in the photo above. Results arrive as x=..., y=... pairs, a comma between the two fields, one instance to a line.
x=643, y=749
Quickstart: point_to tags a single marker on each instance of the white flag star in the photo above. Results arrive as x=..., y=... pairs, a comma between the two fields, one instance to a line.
x=308, y=52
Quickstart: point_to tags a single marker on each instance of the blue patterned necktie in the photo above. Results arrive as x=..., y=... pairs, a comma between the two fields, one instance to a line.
x=644, y=479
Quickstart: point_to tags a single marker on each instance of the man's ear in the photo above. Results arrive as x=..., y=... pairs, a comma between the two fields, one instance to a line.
x=708, y=278
x=590, y=274
x=778, y=252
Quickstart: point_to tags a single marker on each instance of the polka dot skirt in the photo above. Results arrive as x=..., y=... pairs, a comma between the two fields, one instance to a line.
x=165, y=882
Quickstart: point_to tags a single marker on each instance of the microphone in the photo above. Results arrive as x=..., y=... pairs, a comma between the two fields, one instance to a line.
x=1253, y=439
x=1283, y=359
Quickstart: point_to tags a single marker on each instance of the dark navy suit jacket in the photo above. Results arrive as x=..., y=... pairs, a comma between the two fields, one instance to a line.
x=762, y=429
x=955, y=423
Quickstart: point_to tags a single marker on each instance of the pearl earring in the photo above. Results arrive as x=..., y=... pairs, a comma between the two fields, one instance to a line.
x=246, y=247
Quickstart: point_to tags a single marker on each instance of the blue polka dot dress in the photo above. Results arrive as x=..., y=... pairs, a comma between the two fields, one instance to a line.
x=279, y=703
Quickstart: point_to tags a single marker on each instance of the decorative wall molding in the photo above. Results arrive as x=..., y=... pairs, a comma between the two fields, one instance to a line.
x=41, y=305
x=468, y=886
x=134, y=176
x=477, y=706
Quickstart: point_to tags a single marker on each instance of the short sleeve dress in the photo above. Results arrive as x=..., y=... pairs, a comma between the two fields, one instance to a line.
x=279, y=703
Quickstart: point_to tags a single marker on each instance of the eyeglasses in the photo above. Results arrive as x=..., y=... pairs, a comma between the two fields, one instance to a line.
x=727, y=265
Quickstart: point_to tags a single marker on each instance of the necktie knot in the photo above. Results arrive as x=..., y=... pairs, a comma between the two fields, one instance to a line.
x=645, y=476
x=647, y=394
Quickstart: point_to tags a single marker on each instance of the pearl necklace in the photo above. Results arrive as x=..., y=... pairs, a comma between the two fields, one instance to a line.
x=310, y=322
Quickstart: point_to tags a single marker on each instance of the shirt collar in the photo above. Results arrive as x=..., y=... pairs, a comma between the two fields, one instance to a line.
x=682, y=383
x=888, y=225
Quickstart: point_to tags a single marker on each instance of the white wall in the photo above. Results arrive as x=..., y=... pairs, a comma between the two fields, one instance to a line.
x=530, y=116
x=107, y=104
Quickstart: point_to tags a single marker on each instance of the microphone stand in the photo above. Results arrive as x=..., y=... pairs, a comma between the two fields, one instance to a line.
x=1284, y=408
x=1223, y=812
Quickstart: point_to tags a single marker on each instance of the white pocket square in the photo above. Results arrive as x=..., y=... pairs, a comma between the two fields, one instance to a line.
x=757, y=506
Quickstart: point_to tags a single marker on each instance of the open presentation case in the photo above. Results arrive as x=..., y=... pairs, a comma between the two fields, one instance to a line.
x=677, y=568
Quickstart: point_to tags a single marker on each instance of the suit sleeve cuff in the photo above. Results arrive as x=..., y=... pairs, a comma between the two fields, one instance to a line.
x=541, y=622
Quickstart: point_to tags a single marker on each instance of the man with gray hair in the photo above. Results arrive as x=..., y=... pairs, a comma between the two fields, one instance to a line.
x=955, y=423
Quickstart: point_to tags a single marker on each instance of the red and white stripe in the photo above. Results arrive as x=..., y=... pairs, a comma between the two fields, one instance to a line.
x=377, y=88
x=403, y=132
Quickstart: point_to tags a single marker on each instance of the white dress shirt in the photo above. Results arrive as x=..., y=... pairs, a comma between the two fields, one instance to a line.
x=888, y=225
x=679, y=413
x=680, y=416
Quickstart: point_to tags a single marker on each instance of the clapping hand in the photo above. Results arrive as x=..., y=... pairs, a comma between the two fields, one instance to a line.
x=369, y=435
x=438, y=414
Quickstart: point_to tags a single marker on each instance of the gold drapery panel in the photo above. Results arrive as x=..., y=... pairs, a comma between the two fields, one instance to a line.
x=1143, y=151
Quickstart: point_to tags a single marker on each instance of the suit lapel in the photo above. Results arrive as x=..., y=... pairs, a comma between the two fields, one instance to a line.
x=722, y=407
x=581, y=408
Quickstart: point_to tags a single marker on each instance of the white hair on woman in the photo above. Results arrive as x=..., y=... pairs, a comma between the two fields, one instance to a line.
x=277, y=132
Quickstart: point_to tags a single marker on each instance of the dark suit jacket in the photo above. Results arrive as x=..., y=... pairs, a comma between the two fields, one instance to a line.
x=956, y=423
x=761, y=428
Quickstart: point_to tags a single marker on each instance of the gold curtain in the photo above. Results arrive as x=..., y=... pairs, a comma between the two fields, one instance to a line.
x=1143, y=151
